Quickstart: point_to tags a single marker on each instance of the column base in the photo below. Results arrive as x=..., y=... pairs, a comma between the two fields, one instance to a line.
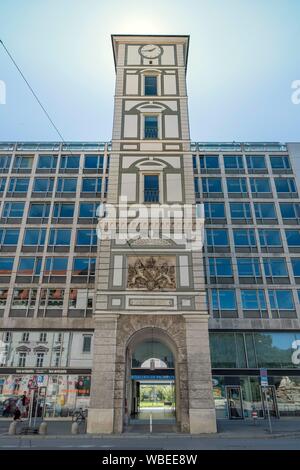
x=100, y=421
x=202, y=421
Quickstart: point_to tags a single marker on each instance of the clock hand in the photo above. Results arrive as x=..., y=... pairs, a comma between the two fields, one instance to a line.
x=150, y=50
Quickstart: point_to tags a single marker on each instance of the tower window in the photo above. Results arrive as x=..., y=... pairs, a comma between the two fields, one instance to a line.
x=151, y=188
x=150, y=85
x=151, y=127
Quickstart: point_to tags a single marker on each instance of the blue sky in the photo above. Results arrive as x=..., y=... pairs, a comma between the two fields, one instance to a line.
x=244, y=56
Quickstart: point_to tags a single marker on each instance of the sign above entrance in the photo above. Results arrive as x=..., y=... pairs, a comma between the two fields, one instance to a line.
x=153, y=377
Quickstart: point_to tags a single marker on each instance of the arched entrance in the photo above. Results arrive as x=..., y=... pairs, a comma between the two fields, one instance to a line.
x=151, y=389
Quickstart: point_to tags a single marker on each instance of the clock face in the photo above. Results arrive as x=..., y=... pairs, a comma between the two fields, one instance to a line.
x=150, y=51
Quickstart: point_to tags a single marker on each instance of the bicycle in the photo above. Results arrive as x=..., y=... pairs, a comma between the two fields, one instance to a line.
x=79, y=416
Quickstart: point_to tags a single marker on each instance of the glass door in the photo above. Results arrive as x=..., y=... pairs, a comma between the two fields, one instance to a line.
x=234, y=402
x=269, y=399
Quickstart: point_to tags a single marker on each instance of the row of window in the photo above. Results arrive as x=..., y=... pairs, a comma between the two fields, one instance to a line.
x=242, y=210
x=247, y=237
x=50, y=162
x=239, y=186
x=54, y=266
x=46, y=185
x=236, y=162
x=252, y=267
x=57, y=237
x=26, y=298
x=15, y=209
x=253, y=299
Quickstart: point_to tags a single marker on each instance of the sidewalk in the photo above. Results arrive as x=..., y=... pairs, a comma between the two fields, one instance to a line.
x=227, y=429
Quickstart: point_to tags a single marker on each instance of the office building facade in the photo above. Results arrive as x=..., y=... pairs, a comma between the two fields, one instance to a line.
x=86, y=319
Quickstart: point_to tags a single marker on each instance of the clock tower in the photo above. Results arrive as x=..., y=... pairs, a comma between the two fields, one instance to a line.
x=150, y=318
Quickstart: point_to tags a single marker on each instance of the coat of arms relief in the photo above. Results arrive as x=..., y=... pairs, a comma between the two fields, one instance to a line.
x=151, y=272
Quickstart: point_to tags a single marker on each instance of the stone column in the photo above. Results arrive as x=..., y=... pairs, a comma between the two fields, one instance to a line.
x=202, y=413
x=101, y=411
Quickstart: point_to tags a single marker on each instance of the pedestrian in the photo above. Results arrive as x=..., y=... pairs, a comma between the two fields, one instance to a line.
x=17, y=414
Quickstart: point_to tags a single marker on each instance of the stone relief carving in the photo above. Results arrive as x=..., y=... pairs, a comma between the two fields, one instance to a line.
x=151, y=272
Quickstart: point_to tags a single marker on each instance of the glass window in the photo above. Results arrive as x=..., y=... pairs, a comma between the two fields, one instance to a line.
x=2, y=184
x=289, y=210
x=212, y=185
x=94, y=162
x=24, y=297
x=81, y=298
x=66, y=185
x=244, y=237
x=86, y=237
x=223, y=299
x=265, y=210
x=52, y=297
x=63, y=210
x=208, y=162
x=285, y=185
x=60, y=237
x=220, y=267
x=39, y=210
x=296, y=266
x=43, y=185
x=280, y=162
x=87, y=343
x=150, y=85
x=196, y=186
x=40, y=359
x=18, y=185
x=275, y=267
x=240, y=210
x=253, y=299
x=217, y=237
x=13, y=209
x=233, y=162
x=84, y=266
x=5, y=162
x=47, y=162
x=260, y=185
x=9, y=236
x=23, y=162
x=6, y=265
x=69, y=162
x=29, y=266
x=256, y=162
x=274, y=349
x=292, y=237
x=248, y=267
x=281, y=299
x=151, y=127
x=269, y=237
x=56, y=266
x=91, y=185
x=214, y=210
x=22, y=359
x=151, y=188
x=236, y=185
x=88, y=209
x=227, y=350
x=34, y=237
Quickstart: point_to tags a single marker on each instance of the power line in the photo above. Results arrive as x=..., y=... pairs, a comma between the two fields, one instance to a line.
x=33, y=92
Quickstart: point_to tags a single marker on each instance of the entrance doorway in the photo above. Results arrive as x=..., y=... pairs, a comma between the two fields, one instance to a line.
x=151, y=391
x=234, y=402
x=270, y=401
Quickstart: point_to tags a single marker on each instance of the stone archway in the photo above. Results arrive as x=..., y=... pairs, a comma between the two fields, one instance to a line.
x=131, y=331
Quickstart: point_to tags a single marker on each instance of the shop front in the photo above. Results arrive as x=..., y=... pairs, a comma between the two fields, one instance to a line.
x=237, y=359
x=50, y=393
